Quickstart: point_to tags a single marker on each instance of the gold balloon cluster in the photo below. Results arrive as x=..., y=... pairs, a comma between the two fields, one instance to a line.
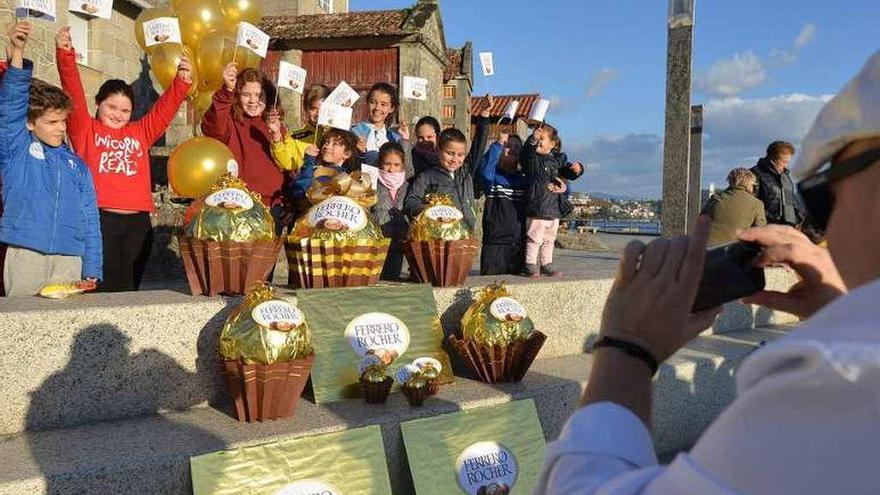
x=208, y=29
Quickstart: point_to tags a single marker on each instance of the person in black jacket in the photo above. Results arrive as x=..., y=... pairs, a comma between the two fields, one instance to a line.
x=504, y=215
x=453, y=175
x=775, y=188
x=546, y=169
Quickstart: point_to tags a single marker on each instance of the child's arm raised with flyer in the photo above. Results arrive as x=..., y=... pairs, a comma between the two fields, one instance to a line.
x=65, y=59
x=528, y=157
x=157, y=120
x=406, y=144
x=489, y=165
x=217, y=121
x=14, y=89
x=481, y=135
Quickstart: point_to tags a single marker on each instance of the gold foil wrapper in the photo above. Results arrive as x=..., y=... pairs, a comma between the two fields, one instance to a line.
x=349, y=221
x=482, y=326
x=329, y=182
x=266, y=336
x=441, y=220
x=231, y=212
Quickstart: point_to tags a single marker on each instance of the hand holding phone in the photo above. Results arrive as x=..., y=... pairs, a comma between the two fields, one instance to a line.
x=729, y=274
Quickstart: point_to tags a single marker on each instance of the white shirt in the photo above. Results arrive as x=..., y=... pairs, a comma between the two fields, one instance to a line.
x=806, y=421
x=377, y=138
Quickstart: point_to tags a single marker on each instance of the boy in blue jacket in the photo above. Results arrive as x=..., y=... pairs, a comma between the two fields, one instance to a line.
x=504, y=216
x=51, y=221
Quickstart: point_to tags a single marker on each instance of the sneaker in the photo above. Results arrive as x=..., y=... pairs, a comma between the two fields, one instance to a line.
x=549, y=271
x=531, y=271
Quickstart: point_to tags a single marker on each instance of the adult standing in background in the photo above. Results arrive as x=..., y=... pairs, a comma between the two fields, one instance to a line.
x=775, y=187
x=735, y=208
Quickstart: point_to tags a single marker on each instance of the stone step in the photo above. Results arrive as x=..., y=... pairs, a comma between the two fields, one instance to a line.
x=149, y=455
x=103, y=357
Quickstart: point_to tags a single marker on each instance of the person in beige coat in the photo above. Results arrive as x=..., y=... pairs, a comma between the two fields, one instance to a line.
x=735, y=208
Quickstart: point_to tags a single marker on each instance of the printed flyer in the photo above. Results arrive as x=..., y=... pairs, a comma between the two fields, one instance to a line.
x=488, y=451
x=351, y=462
x=346, y=323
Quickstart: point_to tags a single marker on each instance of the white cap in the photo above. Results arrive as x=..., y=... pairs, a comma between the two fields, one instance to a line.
x=851, y=115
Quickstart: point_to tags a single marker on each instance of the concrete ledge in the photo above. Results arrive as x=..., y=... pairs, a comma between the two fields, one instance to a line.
x=104, y=357
x=152, y=453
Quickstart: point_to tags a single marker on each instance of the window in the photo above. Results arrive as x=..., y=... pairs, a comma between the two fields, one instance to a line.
x=326, y=6
x=449, y=91
x=448, y=111
x=79, y=34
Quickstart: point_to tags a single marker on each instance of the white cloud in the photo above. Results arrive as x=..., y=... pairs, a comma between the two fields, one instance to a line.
x=600, y=80
x=730, y=77
x=805, y=37
x=629, y=165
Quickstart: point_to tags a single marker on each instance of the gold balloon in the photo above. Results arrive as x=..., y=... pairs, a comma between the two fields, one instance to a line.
x=164, y=60
x=214, y=54
x=148, y=15
x=200, y=103
x=246, y=59
x=195, y=165
x=176, y=4
x=236, y=11
x=197, y=19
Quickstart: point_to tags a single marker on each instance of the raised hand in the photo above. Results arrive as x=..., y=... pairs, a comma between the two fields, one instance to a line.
x=820, y=281
x=403, y=130
x=19, y=34
x=230, y=76
x=274, y=123
x=488, y=103
x=362, y=145
x=184, y=70
x=312, y=150
x=63, y=40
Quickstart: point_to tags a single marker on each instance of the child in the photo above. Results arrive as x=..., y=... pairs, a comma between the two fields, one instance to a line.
x=372, y=134
x=504, y=218
x=424, y=153
x=289, y=151
x=51, y=220
x=545, y=167
x=453, y=175
x=338, y=151
x=395, y=168
x=117, y=153
x=237, y=119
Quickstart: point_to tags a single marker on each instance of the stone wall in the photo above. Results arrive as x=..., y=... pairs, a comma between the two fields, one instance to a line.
x=300, y=7
x=415, y=60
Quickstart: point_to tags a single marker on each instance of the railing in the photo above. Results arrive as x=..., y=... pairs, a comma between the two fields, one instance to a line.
x=641, y=227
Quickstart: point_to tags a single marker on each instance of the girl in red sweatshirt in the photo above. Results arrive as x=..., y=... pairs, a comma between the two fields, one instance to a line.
x=117, y=152
x=237, y=117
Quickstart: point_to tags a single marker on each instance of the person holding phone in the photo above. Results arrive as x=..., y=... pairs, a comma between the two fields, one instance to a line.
x=805, y=420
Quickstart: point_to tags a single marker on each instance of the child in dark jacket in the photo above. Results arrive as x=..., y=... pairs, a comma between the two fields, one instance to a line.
x=504, y=217
x=395, y=167
x=116, y=149
x=453, y=175
x=372, y=134
x=424, y=150
x=546, y=169
x=51, y=219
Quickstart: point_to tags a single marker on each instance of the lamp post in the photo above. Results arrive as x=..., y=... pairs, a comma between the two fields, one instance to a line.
x=695, y=167
x=676, y=142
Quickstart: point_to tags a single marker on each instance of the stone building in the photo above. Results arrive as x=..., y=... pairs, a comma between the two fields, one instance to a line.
x=363, y=48
x=458, y=84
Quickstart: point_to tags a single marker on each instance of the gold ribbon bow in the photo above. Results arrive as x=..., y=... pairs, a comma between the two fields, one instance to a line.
x=330, y=182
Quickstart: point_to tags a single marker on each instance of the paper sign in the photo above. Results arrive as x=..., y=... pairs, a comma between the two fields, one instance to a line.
x=161, y=30
x=96, y=8
x=539, y=110
x=348, y=462
x=291, y=77
x=250, y=37
x=36, y=9
x=510, y=110
x=486, y=62
x=415, y=88
x=344, y=95
x=345, y=323
x=492, y=450
x=371, y=171
x=337, y=213
x=333, y=115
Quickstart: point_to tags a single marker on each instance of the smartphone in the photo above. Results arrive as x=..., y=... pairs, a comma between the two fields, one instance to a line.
x=729, y=274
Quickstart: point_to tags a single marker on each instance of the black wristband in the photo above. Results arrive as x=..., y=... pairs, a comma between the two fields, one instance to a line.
x=631, y=349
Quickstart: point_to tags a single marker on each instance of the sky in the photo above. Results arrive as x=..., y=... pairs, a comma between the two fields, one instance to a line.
x=761, y=69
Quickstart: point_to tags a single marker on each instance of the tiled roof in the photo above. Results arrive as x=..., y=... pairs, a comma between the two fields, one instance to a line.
x=454, y=68
x=501, y=101
x=343, y=25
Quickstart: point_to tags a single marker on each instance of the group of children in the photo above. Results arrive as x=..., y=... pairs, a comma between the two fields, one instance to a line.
x=83, y=211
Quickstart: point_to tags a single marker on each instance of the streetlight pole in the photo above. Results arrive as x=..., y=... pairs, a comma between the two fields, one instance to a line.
x=676, y=142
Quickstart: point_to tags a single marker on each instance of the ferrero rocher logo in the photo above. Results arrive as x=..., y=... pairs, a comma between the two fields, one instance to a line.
x=230, y=198
x=338, y=213
x=487, y=468
x=507, y=309
x=308, y=487
x=277, y=315
x=377, y=331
